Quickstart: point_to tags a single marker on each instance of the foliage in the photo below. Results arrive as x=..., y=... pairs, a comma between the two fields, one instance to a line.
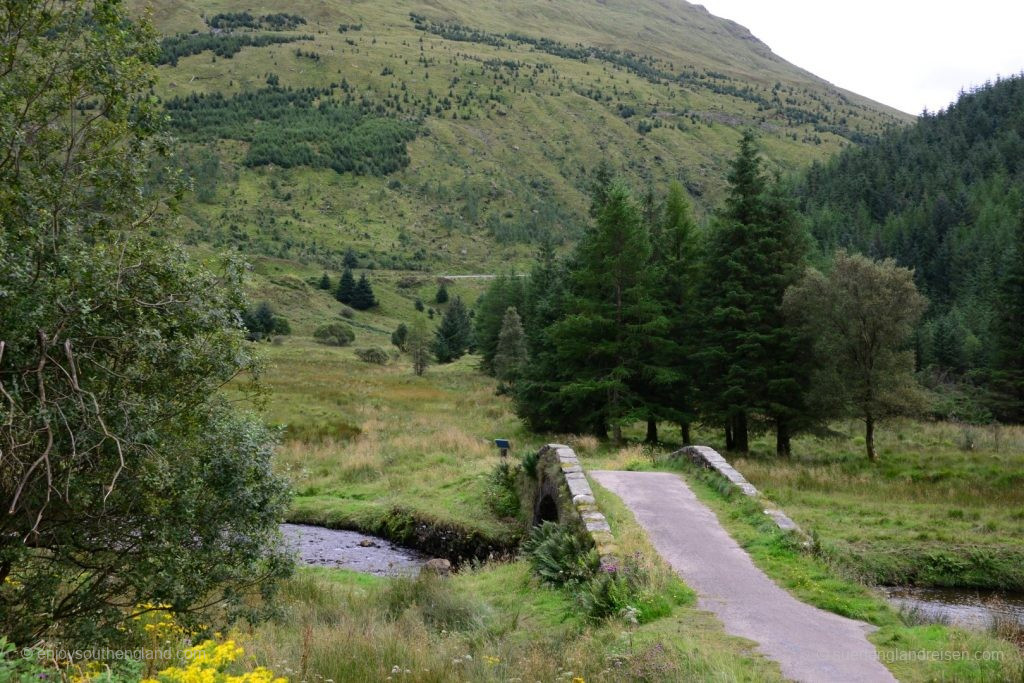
x=441, y=297
x=374, y=355
x=334, y=334
x=124, y=472
x=419, y=345
x=860, y=318
x=749, y=356
x=363, y=298
x=225, y=45
x=1008, y=329
x=207, y=662
x=942, y=197
x=346, y=287
x=502, y=292
x=455, y=334
x=261, y=322
x=232, y=20
x=623, y=591
x=288, y=128
x=560, y=555
x=510, y=357
x=502, y=494
x=325, y=282
x=400, y=337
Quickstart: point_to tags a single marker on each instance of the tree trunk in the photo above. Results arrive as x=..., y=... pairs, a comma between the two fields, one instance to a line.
x=730, y=442
x=740, y=434
x=684, y=432
x=783, y=448
x=617, y=431
x=652, y=430
x=869, y=437
x=600, y=429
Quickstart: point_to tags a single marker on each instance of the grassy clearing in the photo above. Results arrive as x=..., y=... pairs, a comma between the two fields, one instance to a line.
x=943, y=507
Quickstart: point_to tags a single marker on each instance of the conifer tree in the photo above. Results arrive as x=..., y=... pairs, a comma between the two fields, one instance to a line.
x=325, y=282
x=510, y=356
x=1008, y=375
x=350, y=260
x=602, y=345
x=362, y=297
x=503, y=292
x=671, y=395
x=749, y=354
x=346, y=287
x=442, y=294
x=453, y=337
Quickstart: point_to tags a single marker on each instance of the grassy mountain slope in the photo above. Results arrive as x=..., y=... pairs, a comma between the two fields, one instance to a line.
x=507, y=127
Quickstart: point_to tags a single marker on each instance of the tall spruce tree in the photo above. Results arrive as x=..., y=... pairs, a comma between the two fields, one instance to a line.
x=675, y=254
x=602, y=345
x=1008, y=374
x=363, y=298
x=346, y=287
x=510, y=357
x=748, y=354
x=454, y=336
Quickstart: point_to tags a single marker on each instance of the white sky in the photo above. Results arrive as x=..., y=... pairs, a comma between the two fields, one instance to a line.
x=909, y=54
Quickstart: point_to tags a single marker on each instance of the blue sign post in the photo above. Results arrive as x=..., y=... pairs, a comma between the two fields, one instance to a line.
x=504, y=445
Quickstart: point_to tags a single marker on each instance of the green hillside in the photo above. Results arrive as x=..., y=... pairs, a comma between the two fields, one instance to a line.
x=450, y=136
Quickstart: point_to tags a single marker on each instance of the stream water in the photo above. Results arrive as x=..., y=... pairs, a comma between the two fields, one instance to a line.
x=959, y=606
x=324, y=547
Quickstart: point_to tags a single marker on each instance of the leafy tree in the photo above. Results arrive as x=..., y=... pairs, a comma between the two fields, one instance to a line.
x=126, y=476
x=454, y=336
x=503, y=292
x=325, y=282
x=1008, y=374
x=363, y=298
x=861, y=317
x=419, y=345
x=510, y=356
x=346, y=287
x=400, y=337
x=442, y=294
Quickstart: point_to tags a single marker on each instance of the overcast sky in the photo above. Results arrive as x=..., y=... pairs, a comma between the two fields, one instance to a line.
x=909, y=54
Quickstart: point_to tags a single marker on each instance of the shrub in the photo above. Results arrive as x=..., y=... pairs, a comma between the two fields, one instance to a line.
x=400, y=336
x=529, y=462
x=502, y=497
x=623, y=590
x=334, y=334
x=560, y=555
x=373, y=355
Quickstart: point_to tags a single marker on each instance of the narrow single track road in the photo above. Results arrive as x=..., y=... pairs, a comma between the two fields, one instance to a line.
x=809, y=644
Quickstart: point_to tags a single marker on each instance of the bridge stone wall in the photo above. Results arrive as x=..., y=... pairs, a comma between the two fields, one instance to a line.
x=711, y=459
x=561, y=493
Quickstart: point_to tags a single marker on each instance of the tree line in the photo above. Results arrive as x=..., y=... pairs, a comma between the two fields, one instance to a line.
x=652, y=319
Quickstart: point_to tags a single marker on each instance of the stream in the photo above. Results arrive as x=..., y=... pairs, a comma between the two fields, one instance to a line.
x=323, y=547
x=959, y=606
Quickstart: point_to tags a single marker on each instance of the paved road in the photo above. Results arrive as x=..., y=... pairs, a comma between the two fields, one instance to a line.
x=808, y=643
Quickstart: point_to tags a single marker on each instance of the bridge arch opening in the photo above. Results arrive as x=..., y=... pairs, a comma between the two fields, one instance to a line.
x=547, y=510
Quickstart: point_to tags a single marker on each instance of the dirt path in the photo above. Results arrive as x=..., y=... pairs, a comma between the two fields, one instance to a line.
x=808, y=643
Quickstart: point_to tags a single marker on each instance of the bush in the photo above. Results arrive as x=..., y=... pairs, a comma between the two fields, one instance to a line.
x=529, y=462
x=623, y=590
x=334, y=334
x=373, y=355
x=502, y=497
x=400, y=336
x=348, y=312
x=560, y=555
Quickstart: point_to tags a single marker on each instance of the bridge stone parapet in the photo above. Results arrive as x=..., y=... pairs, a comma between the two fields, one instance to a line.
x=563, y=495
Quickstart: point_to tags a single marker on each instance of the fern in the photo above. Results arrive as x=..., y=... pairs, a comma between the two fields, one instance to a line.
x=560, y=556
